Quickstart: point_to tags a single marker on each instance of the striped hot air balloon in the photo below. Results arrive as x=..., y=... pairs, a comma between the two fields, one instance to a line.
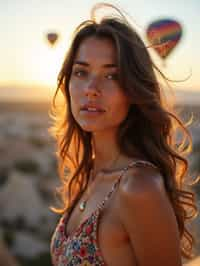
x=164, y=34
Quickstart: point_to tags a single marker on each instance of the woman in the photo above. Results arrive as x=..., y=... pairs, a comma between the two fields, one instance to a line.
x=123, y=200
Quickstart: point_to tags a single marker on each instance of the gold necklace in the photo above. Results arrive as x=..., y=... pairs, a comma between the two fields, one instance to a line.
x=83, y=203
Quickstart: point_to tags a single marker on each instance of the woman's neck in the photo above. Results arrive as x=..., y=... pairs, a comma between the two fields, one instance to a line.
x=107, y=154
x=106, y=151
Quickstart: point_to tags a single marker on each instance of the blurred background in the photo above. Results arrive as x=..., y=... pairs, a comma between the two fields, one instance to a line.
x=34, y=37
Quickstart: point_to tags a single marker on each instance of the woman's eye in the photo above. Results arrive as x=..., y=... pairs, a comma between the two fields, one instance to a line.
x=79, y=73
x=113, y=76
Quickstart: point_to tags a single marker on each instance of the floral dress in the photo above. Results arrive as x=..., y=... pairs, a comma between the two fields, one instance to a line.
x=81, y=247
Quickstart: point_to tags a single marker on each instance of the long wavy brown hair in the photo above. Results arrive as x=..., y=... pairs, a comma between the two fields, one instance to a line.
x=151, y=126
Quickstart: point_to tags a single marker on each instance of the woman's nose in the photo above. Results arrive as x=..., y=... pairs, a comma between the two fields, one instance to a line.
x=92, y=87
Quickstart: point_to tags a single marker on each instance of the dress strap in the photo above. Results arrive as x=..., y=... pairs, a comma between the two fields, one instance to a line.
x=116, y=183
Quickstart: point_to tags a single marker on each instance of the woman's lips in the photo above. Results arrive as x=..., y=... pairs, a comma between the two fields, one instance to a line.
x=92, y=108
x=92, y=111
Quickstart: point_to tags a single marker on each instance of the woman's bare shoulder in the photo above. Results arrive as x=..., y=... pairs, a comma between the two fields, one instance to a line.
x=142, y=178
x=148, y=217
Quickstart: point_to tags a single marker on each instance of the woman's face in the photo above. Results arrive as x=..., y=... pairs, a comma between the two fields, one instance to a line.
x=98, y=102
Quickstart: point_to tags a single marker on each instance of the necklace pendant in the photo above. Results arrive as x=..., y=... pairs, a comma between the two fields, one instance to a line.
x=82, y=206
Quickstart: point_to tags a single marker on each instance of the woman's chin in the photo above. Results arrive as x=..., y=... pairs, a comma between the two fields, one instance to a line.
x=91, y=127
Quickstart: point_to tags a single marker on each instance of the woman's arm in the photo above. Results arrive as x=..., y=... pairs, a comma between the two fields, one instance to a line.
x=148, y=217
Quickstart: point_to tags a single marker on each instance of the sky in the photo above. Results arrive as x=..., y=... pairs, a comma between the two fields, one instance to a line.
x=28, y=65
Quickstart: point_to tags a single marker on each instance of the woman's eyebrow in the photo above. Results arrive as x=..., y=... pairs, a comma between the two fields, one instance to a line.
x=82, y=63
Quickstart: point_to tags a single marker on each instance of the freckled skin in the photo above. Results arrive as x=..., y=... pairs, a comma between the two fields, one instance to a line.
x=95, y=83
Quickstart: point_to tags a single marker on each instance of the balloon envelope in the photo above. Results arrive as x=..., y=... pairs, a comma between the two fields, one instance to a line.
x=164, y=34
x=52, y=37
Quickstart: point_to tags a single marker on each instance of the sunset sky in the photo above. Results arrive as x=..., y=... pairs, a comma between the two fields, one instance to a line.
x=27, y=61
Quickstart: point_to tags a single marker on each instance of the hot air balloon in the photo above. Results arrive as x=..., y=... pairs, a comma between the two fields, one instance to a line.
x=52, y=38
x=164, y=34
